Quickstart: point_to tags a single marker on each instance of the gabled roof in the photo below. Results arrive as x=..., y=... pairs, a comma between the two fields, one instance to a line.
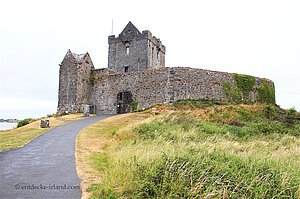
x=78, y=57
x=129, y=31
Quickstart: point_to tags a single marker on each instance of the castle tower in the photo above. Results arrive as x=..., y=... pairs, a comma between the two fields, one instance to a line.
x=133, y=51
x=74, y=82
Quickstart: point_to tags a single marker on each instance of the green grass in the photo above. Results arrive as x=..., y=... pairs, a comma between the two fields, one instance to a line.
x=30, y=129
x=179, y=155
x=99, y=161
x=11, y=141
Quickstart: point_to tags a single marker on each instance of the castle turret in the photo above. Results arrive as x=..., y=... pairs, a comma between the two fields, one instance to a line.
x=133, y=51
x=74, y=82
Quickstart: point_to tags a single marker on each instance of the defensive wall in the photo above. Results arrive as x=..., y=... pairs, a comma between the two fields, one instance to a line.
x=165, y=85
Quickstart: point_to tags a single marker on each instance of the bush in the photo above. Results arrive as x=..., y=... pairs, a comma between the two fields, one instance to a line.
x=292, y=113
x=271, y=112
x=25, y=122
x=61, y=114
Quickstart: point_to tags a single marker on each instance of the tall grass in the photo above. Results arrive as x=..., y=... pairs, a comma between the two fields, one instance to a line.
x=180, y=156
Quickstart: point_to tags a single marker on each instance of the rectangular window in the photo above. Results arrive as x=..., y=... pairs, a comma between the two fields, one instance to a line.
x=126, y=69
x=127, y=50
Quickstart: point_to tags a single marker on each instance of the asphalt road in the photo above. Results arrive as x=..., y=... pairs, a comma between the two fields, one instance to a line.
x=45, y=167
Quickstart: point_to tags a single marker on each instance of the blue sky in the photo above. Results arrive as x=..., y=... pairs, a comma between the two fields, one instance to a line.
x=258, y=37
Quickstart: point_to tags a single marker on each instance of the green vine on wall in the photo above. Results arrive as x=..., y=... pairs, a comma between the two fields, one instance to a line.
x=244, y=84
x=236, y=94
x=227, y=89
x=232, y=94
x=266, y=92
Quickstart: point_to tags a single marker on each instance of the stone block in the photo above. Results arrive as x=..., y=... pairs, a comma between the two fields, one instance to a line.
x=45, y=124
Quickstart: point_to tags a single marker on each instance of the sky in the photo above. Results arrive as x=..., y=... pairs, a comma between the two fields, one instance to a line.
x=257, y=37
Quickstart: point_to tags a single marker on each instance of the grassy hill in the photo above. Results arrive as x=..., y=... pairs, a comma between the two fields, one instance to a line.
x=194, y=149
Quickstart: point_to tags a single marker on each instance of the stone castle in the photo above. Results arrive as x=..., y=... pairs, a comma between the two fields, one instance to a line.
x=136, y=73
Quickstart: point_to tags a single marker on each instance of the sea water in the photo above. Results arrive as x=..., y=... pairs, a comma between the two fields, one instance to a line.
x=7, y=125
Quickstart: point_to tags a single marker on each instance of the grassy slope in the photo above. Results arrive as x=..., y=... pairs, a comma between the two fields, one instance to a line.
x=18, y=137
x=91, y=146
x=196, y=150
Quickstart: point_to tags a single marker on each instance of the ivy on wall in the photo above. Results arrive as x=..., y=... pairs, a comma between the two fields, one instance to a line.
x=244, y=84
x=232, y=94
x=227, y=89
x=266, y=92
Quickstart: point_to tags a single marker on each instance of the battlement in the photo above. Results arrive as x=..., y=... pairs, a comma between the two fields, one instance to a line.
x=146, y=34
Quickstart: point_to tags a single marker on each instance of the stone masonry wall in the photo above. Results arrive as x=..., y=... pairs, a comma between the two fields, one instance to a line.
x=85, y=66
x=148, y=87
x=68, y=84
x=156, y=51
x=136, y=59
x=135, y=50
x=160, y=86
x=190, y=83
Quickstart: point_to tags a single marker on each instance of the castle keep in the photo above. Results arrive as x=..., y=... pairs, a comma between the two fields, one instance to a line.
x=133, y=51
x=136, y=72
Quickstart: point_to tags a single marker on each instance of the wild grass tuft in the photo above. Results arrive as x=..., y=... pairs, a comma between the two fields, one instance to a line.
x=179, y=155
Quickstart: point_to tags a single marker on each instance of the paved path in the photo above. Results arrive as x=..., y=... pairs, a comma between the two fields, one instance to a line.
x=37, y=169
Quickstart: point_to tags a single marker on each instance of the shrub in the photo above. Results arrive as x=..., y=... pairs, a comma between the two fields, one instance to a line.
x=271, y=112
x=25, y=122
x=292, y=112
